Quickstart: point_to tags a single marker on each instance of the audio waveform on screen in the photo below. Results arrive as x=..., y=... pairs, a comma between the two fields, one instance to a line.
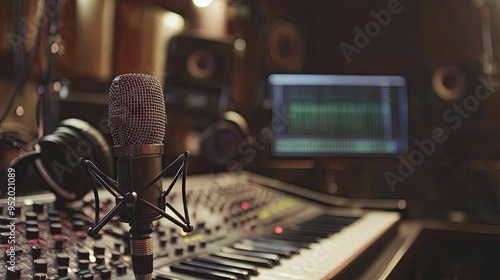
x=341, y=119
x=328, y=145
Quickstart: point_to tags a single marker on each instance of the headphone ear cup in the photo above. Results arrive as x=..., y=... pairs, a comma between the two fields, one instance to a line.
x=59, y=155
x=219, y=142
x=101, y=152
x=58, y=166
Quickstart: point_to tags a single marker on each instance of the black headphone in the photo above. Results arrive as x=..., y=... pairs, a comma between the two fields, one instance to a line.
x=219, y=142
x=56, y=158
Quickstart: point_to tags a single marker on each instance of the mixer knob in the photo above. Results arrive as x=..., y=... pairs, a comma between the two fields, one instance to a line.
x=78, y=225
x=178, y=251
x=115, y=255
x=18, y=251
x=32, y=233
x=105, y=274
x=31, y=224
x=62, y=271
x=35, y=252
x=40, y=276
x=59, y=243
x=163, y=241
x=14, y=274
x=38, y=207
x=99, y=249
x=173, y=239
x=40, y=265
x=55, y=228
x=62, y=260
x=100, y=260
x=31, y=216
x=4, y=237
x=7, y=254
x=121, y=269
x=83, y=264
x=83, y=254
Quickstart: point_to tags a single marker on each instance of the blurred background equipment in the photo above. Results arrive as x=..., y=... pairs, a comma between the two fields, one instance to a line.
x=19, y=109
x=198, y=78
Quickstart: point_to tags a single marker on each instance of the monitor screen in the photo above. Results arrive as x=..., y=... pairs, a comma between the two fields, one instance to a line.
x=335, y=115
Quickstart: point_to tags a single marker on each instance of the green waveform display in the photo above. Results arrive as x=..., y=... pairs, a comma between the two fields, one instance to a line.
x=337, y=146
x=343, y=119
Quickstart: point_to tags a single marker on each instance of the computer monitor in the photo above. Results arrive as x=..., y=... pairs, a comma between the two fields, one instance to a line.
x=338, y=115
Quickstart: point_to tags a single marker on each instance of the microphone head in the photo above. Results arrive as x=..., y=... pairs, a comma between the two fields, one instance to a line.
x=138, y=98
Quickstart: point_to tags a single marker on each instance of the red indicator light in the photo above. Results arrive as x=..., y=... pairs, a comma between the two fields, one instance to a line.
x=245, y=205
x=278, y=230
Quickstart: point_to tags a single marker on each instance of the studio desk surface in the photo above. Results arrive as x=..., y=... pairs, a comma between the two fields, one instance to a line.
x=245, y=227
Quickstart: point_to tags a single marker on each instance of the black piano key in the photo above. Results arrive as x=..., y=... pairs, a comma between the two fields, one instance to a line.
x=296, y=237
x=319, y=227
x=254, y=248
x=274, y=258
x=333, y=219
x=309, y=233
x=286, y=247
x=200, y=272
x=251, y=269
x=240, y=273
x=246, y=259
x=275, y=241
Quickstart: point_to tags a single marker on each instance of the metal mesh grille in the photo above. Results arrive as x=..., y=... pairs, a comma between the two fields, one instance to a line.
x=140, y=98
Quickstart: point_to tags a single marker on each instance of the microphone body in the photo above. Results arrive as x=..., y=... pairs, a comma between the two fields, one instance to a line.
x=137, y=121
x=134, y=172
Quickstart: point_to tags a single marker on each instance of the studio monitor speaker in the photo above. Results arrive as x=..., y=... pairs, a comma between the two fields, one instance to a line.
x=453, y=80
x=284, y=47
x=197, y=78
x=197, y=62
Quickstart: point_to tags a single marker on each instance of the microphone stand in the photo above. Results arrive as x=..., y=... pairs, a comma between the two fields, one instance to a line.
x=141, y=246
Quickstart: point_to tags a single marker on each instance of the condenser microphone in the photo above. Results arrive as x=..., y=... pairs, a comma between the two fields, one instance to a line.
x=137, y=122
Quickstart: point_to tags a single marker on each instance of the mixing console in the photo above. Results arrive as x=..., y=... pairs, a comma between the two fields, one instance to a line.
x=245, y=227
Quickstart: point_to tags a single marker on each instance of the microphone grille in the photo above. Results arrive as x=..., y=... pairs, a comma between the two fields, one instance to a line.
x=139, y=98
